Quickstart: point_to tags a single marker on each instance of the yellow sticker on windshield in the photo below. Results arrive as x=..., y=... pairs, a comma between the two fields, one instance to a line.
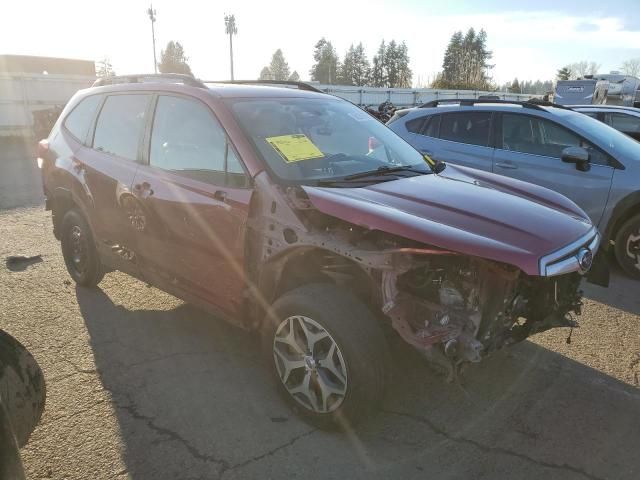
x=294, y=148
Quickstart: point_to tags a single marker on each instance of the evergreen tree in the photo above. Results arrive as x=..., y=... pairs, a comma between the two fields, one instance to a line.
x=173, y=59
x=465, y=64
x=294, y=77
x=379, y=70
x=564, y=73
x=325, y=69
x=279, y=67
x=265, y=74
x=515, y=86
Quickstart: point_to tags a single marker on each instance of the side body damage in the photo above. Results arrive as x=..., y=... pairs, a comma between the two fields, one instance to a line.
x=452, y=307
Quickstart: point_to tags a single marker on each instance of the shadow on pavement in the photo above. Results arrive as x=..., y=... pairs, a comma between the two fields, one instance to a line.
x=623, y=292
x=193, y=401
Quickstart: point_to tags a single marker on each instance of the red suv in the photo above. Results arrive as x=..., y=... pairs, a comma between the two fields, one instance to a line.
x=298, y=216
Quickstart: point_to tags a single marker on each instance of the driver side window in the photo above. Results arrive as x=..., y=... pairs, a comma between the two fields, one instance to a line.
x=188, y=141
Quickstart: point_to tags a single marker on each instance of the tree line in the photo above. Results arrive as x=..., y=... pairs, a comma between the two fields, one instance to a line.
x=390, y=66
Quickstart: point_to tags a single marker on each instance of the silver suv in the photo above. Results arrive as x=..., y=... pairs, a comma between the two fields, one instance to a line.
x=593, y=164
x=625, y=119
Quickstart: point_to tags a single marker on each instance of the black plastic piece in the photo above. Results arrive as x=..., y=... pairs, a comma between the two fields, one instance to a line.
x=469, y=102
x=274, y=83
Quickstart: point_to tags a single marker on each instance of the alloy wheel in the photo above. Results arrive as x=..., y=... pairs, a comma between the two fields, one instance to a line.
x=633, y=248
x=310, y=364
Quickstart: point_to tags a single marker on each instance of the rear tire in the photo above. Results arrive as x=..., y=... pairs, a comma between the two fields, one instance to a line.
x=328, y=356
x=627, y=248
x=79, y=250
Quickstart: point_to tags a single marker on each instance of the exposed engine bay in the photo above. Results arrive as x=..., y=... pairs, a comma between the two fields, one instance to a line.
x=453, y=308
x=457, y=309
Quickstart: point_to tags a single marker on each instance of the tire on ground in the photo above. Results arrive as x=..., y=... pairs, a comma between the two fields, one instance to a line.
x=358, y=337
x=629, y=229
x=93, y=272
x=22, y=387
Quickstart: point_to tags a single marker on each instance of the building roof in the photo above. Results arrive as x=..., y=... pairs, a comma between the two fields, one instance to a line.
x=29, y=64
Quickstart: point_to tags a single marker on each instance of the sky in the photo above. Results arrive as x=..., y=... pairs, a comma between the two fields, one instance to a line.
x=529, y=39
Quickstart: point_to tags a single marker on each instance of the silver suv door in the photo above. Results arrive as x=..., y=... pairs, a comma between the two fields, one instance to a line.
x=529, y=148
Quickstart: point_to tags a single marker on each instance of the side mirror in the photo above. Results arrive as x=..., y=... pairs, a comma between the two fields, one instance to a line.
x=577, y=155
x=439, y=167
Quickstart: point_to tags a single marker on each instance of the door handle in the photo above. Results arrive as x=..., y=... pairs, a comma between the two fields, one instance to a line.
x=508, y=165
x=220, y=195
x=143, y=189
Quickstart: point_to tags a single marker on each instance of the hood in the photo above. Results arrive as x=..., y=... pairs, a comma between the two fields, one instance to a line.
x=464, y=210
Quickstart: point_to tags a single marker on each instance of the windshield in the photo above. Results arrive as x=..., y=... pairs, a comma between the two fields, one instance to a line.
x=613, y=141
x=312, y=139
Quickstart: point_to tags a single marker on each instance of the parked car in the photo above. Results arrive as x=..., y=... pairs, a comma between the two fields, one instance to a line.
x=594, y=165
x=266, y=206
x=625, y=119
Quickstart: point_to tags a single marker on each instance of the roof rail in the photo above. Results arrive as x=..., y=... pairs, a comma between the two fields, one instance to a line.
x=469, y=102
x=273, y=83
x=150, y=77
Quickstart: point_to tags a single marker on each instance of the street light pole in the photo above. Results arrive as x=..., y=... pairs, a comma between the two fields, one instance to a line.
x=152, y=16
x=231, y=29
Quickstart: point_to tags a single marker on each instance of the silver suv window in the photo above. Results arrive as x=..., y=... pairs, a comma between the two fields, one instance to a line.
x=537, y=136
x=466, y=127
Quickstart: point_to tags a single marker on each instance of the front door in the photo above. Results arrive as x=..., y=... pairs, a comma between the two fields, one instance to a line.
x=530, y=149
x=109, y=165
x=194, y=197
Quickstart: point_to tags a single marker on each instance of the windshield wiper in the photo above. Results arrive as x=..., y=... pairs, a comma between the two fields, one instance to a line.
x=384, y=170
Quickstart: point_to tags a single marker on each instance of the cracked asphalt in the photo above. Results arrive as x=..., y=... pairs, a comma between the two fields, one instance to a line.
x=143, y=386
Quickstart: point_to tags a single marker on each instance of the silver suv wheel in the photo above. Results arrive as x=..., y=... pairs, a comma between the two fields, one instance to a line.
x=310, y=364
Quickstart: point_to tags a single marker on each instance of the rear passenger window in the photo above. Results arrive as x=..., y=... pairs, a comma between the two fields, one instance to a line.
x=415, y=125
x=432, y=128
x=625, y=123
x=466, y=127
x=187, y=140
x=120, y=125
x=79, y=120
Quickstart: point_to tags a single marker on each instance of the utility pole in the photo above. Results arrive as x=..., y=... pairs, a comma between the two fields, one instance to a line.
x=231, y=29
x=152, y=16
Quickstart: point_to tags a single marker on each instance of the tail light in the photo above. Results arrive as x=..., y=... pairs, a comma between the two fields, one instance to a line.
x=41, y=152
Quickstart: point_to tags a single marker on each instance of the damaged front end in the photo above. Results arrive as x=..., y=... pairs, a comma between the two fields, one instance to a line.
x=457, y=309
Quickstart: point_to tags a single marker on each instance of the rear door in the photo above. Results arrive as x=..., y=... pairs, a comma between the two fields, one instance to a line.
x=529, y=148
x=108, y=166
x=461, y=138
x=624, y=122
x=194, y=197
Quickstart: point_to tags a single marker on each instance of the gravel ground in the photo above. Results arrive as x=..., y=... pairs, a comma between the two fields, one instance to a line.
x=142, y=386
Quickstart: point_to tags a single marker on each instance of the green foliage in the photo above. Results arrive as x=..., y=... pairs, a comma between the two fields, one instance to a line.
x=391, y=66
x=279, y=67
x=265, y=74
x=355, y=68
x=173, y=59
x=294, y=77
x=326, y=66
x=564, y=73
x=465, y=65
x=515, y=86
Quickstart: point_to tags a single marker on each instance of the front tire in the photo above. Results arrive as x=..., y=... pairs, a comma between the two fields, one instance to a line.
x=79, y=250
x=627, y=248
x=328, y=355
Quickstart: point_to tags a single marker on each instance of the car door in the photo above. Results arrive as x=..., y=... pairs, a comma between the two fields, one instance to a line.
x=194, y=200
x=624, y=122
x=109, y=164
x=529, y=148
x=461, y=138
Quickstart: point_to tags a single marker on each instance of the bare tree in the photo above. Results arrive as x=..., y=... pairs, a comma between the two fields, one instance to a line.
x=580, y=69
x=631, y=67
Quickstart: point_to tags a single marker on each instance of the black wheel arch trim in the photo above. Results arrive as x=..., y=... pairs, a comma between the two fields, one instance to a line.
x=621, y=212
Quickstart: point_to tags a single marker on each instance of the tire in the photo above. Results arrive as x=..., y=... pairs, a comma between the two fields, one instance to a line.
x=349, y=359
x=79, y=250
x=628, y=246
x=22, y=387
